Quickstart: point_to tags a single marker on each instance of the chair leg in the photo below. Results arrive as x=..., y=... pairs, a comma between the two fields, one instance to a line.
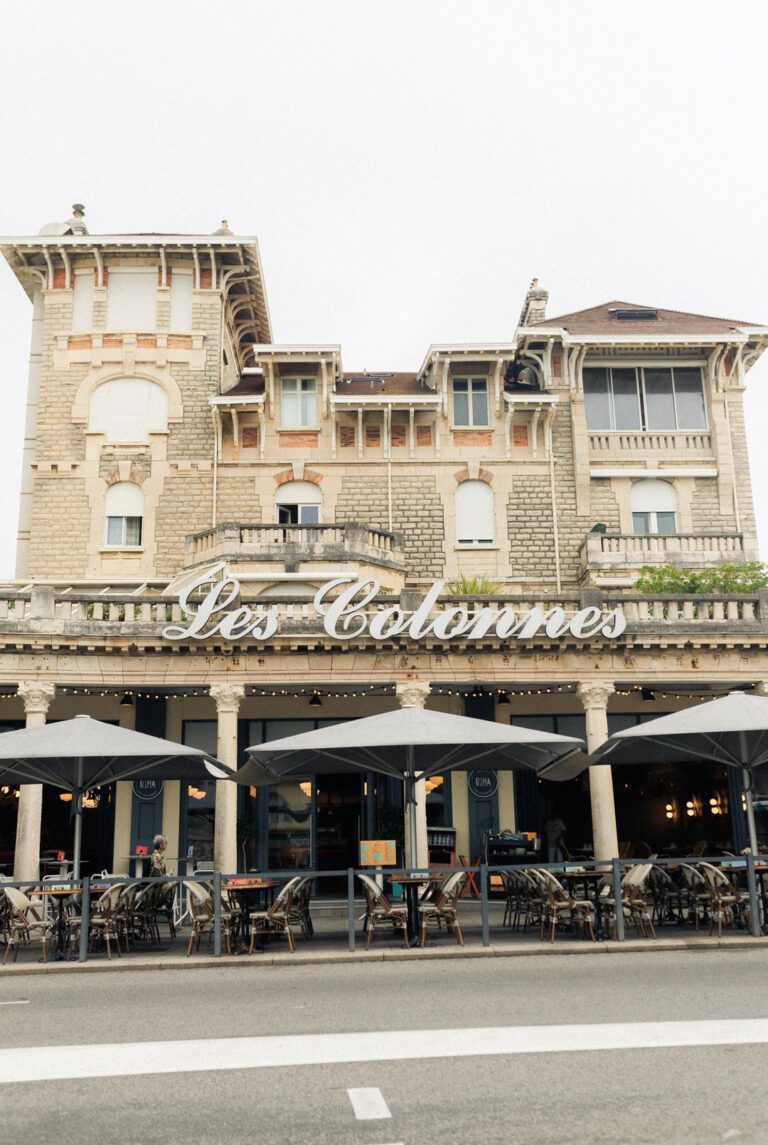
x=191, y=940
x=459, y=935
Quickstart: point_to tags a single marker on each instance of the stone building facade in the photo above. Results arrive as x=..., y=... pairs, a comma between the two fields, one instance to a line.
x=170, y=442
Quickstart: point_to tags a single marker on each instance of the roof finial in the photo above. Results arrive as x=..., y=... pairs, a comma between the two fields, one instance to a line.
x=223, y=229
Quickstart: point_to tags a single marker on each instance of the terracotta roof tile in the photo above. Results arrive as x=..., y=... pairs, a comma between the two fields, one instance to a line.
x=598, y=320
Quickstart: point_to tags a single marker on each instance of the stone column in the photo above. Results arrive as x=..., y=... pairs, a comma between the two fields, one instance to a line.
x=594, y=698
x=227, y=697
x=415, y=693
x=37, y=698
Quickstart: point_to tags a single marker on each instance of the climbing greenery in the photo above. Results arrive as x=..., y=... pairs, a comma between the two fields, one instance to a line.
x=666, y=580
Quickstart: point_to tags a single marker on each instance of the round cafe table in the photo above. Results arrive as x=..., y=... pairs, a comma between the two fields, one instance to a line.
x=60, y=894
x=246, y=889
x=412, y=881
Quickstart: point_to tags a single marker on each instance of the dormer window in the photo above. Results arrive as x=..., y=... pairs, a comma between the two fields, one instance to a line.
x=633, y=314
x=470, y=401
x=299, y=403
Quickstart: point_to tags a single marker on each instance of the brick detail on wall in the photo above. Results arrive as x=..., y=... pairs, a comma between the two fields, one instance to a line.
x=520, y=436
x=298, y=439
x=373, y=435
x=250, y=438
x=398, y=434
x=463, y=438
x=346, y=436
x=417, y=513
x=424, y=435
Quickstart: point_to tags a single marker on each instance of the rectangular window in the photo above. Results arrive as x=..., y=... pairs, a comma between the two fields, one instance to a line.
x=82, y=301
x=181, y=300
x=470, y=401
x=644, y=398
x=299, y=403
x=132, y=300
x=659, y=522
x=124, y=532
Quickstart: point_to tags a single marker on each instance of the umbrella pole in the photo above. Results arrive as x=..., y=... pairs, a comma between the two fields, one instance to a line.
x=412, y=857
x=746, y=779
x=78, y=809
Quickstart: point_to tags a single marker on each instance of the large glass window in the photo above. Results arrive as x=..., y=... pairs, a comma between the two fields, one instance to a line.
x=654, y=507
x=298, y=503
x=470, y=401
x=127, y=410
x=474, y=513
x=198, y=806
x=299, y=403
x=124, y=513
x=644, y=398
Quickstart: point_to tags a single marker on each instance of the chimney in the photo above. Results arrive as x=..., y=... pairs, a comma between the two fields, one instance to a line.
x=77, y=223
x=535, y=305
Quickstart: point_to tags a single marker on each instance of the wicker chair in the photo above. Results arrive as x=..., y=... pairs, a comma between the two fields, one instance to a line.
x=277, y=919
x=300, y=915
x=23, y=923
x=380, y=914
x=444, y=908
x=726, y=904
x=559, y=906
x=203, y=912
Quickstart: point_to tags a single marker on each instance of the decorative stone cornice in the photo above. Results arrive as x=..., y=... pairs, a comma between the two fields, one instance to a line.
x=37, y=696
x=412, y=693
x=227, y=696
x=595, y=693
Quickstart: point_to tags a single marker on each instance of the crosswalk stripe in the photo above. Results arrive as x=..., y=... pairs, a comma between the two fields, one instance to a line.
x=49, y=1063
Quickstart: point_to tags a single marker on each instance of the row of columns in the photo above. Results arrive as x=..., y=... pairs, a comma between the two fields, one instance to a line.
x=228, y=696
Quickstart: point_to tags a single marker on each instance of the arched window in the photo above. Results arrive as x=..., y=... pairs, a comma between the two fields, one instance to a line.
x=654, y=507
x=474, y=513
x=124, y=513
x=299, y=503
x=128, y=409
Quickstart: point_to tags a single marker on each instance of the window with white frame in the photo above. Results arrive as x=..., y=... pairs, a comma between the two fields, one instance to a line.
x=127, y=410
x=299, y=503
x=124, y=510
x=470, y=401
x=644, y=398
x=132, y=299
x=654, y=507
x=181, y=300
x=474, y=513
x=82, y=301
x=298, y=407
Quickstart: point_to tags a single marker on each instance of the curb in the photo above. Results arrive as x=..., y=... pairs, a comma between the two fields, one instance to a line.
x=646, y=946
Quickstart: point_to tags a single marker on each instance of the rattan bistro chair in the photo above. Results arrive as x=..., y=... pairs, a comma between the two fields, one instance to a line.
x=23, y=924
x=558, y=906
x=300, y=915
x=727, y=904
x=444, y=909
x=203, y=913
x=380, y=914
x=277, y=919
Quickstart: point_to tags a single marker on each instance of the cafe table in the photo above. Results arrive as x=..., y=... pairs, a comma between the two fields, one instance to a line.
x=60, y=895
x=246, y=889
x=411, y=881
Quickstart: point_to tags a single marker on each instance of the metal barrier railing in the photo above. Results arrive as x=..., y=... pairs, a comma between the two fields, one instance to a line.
x=612, y=870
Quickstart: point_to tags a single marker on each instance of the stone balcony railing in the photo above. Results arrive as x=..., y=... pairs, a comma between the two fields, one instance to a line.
x=624, y=554
x=44, y=617
x=291, y=546
x=619, y=442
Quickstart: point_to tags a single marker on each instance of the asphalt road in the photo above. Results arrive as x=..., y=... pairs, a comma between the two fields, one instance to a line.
x=692, y=1093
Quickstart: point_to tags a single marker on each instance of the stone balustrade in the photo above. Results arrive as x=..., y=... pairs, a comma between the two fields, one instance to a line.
x=295, y=544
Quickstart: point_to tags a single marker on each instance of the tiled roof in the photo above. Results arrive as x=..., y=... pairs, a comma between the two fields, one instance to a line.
x=245, y=387
x=598, y=320
x=371, y=382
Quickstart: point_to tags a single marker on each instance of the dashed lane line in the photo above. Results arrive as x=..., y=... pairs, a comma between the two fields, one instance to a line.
x=369, y=1104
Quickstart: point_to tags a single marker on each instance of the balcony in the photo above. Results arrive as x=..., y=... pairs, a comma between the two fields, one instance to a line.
x=306, y=549
x=616, y=558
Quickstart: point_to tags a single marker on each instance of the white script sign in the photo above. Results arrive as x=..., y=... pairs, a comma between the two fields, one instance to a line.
x=351, y=615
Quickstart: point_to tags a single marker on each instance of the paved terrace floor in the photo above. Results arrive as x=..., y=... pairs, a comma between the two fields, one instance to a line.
x=330, y=945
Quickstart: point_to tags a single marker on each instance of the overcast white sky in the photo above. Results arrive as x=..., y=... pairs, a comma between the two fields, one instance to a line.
x=407, y=166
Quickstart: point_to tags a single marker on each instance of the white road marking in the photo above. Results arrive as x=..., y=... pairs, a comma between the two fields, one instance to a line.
x=368, y=1104
x=16, y=1002
x=126, y=1059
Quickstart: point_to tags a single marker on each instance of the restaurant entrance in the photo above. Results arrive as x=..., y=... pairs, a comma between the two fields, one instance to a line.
x=339, y=819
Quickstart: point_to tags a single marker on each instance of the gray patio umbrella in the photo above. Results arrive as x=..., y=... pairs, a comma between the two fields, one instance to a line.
x=732, y=730
x=410, y=743
x=81, y=753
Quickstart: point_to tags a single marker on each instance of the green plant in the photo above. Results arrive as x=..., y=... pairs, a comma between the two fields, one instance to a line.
x=726, y=580
x=473, y=586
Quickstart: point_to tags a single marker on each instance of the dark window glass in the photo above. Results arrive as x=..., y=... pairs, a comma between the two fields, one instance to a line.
x=665, y=523
x=479, y=403
x=596, y=399
x=689, y=399
x=626, y=403
x=641, y=523
x=659, y=400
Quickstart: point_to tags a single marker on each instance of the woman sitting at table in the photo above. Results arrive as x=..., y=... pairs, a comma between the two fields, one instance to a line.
x=157, y=867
